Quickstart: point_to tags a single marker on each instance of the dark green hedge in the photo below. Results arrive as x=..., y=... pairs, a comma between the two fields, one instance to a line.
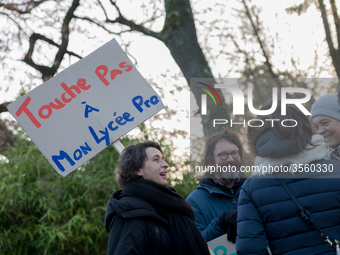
x=43, y=213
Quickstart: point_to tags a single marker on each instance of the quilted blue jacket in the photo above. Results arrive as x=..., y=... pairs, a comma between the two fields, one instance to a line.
x=267, y=214
x=208, y=202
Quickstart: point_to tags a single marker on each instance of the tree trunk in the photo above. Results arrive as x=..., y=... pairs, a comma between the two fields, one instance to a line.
x=179, y=35
x=334, y=53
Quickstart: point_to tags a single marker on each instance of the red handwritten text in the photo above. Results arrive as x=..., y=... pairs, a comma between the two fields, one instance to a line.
x=70, y=92
x=102, y=71
x=46, y=110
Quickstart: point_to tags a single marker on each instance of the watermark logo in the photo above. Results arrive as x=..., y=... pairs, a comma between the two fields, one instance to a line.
x=239, y=99
x=204, y=97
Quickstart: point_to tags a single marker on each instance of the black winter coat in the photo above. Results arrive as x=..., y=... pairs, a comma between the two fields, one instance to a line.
x=135, y=227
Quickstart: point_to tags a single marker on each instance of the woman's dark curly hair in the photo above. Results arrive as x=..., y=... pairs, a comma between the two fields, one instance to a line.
x=214, y=139
x=300, y=135
x=131, y=160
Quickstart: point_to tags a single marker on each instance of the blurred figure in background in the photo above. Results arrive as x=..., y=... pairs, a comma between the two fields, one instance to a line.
x=326, y=121
x=216, y=197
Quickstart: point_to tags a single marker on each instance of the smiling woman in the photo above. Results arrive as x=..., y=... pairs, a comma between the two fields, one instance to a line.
x=147, y=216
x=326, y=120
x=155, y=168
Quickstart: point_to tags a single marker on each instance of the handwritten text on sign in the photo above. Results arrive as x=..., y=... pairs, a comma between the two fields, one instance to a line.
x=83, y=109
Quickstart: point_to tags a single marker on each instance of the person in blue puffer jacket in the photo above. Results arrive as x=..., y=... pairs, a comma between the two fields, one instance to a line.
x=266, y=213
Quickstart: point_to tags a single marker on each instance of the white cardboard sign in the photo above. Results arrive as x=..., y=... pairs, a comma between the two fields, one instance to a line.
x=221, y=246
x=86, y=107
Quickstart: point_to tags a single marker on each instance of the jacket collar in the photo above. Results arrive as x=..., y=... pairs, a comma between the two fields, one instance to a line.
x=320, y=151
x=214, y=186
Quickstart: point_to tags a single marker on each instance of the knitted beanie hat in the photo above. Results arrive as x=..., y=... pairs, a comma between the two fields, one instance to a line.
x=327, y=105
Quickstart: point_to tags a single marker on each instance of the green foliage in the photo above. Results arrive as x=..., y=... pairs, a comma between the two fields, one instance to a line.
x=43, y=213
x=186, y=185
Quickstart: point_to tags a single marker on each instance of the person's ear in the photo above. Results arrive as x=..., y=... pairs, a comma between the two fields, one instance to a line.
x=139, y=172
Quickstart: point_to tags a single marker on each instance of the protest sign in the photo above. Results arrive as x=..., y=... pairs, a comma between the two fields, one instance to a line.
x=86, y=107
x=221, y=246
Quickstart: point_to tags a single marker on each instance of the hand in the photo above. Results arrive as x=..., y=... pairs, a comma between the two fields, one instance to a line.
x=232, y=233
x=228, y=218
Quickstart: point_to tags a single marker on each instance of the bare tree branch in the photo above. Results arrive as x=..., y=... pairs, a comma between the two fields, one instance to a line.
x=336, y=20
x=248, y=61
x=65, y=31
x=132, y=25
x=104, y=10
x=14, y=21
x=22, y=8
x=97, y=24
x=333, y=52
x=256, y=29
x=48, y=72
x=301, y=8
x=44, y=38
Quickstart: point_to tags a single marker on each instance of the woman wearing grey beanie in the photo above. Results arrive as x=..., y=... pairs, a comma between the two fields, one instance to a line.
x=326, y=120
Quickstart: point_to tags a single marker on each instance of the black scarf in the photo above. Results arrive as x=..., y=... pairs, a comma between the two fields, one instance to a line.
x=185, y=235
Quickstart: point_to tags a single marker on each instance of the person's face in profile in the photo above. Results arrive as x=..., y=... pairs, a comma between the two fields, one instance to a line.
x=329, y=128
x=155, y=168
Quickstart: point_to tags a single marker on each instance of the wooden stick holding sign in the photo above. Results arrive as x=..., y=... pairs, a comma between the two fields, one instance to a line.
x=76, y=114
x=118, y=146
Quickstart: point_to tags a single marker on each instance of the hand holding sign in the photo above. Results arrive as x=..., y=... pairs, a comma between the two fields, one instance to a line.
x=221, y=246
x=80, y=111
x=228, y=220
